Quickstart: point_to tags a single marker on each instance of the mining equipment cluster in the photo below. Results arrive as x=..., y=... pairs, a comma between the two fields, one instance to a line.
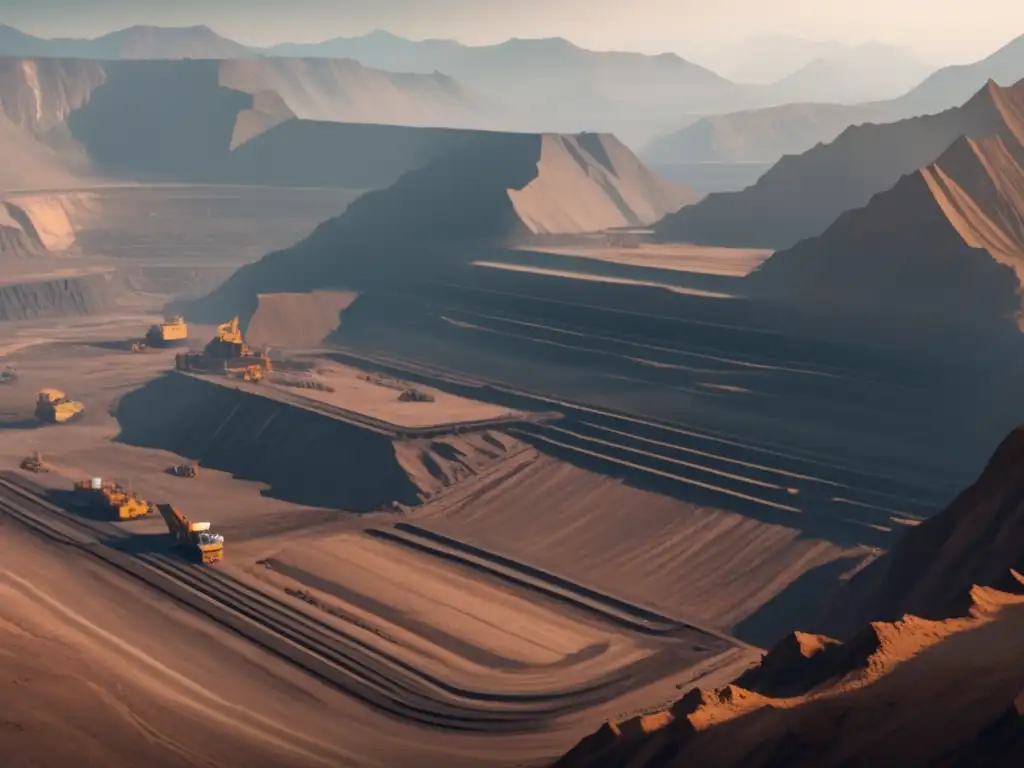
x=228, y=354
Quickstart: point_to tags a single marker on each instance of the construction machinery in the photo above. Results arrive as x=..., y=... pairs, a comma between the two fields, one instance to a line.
x=173, y=331
x=413, y=395
x=184, y=470
x=53, y=406
x=34, y=463
x=194, y=538
x=111, y=499
x=227, y=353
x=8, y=375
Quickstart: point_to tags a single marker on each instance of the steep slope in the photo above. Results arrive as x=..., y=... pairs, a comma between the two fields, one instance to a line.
x=944, y=246
x=39, y=225
x=138, y=42
x=978, y=539
x=801, y=195
x=931, y=641
x=492, y=190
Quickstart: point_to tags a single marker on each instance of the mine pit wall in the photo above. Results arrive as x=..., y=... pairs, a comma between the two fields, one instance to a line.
x=77, y=296
x=304, y=457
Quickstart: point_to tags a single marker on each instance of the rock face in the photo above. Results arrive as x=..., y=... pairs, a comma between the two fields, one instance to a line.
x=947, y=241
x=817, y=701
x=802, y=195
x=978, y=539
x=59, y=296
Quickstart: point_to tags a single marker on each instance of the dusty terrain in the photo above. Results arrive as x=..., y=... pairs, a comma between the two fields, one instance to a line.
x=466, y=621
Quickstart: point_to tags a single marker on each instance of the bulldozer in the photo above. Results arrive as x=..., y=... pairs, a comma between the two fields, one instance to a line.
x=195, y=539
x=111, y=499
x=173, y=331
x=227, y=353
x=34, y=463
x=53, y=406
x=184, y=470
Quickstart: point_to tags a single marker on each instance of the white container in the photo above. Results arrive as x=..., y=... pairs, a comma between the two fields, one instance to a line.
x=97, y=483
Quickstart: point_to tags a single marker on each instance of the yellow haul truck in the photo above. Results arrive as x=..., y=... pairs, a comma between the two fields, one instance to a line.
x=194, y=538
x=111, y=499
x=53, y=406
x=171, y=332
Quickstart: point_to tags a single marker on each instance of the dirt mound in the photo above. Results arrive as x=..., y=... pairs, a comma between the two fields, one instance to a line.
x=491, y=190
x=978, y=539
x=802, y=195
x=70, y=295
x=296, y=320
x=945, y=242
x=591, y=182
x=795, y=665
x=958, y=676
x=301, y=455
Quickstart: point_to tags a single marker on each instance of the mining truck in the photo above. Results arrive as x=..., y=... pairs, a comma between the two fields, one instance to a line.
x=194, y=539
x=53, y=406
x=111, y=499
x=171, y=332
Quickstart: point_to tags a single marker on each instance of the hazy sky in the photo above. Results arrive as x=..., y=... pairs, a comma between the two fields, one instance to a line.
x=942, y=31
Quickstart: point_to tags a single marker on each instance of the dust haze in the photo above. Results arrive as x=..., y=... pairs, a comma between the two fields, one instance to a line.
x=379, y=390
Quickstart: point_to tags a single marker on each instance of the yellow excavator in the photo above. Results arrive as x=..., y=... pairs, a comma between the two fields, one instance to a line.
x=227, y=353
x=194, y=538
x=53, y=406
x=111, y=499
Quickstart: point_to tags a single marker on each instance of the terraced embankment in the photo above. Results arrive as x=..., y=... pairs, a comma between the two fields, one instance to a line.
x=71, y=294
x=336, y=656
x=305, y=451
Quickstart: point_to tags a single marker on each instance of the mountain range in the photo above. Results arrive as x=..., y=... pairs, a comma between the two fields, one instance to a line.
x=943, y=245
x=766, y=134
x=526, y=85
x=803, y=194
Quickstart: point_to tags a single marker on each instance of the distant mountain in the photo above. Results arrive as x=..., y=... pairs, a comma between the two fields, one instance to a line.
x=952, y=85
x=943, y=247
x=551, y=84
x=770, y=58
x=802, y=195
x=760, y=135
x=799, y=127
x=138, y=42
x=848, y=81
